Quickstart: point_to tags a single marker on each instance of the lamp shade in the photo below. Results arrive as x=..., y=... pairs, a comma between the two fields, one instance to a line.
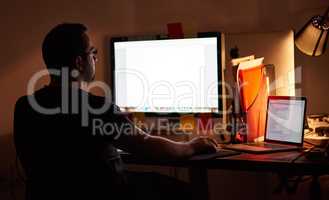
x=312, y=38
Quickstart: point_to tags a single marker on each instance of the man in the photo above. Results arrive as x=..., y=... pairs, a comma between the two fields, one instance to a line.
x=64, y=158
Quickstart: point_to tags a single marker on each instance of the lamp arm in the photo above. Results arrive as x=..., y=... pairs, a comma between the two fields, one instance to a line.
x=326, y=13
x=325, y=16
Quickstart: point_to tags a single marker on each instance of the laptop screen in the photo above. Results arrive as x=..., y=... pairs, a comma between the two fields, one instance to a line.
x=285, y=119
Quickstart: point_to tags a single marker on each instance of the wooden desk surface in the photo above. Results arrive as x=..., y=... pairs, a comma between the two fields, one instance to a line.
x=282, y=162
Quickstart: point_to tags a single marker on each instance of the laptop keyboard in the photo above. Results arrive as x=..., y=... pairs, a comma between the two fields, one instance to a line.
x=266, y=145
x=249, y=147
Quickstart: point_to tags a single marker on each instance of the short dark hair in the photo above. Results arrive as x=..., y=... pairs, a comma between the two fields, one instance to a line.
x=63, y=43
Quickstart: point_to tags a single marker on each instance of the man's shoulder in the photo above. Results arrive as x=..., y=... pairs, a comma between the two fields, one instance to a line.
x=21, y=101
x=24, y=100
x=49, y=97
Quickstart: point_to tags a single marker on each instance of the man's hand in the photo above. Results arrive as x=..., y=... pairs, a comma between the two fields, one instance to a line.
x=203, y=145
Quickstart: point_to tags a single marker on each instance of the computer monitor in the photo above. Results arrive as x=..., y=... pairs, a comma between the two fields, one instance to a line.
x=167, y=76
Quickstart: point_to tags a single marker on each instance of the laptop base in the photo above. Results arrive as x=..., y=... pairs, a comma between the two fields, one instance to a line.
x=256, y=149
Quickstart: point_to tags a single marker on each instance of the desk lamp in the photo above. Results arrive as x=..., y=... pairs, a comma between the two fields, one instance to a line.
x=312, y=38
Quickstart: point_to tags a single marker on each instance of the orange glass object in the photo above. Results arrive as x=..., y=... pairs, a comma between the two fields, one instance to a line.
x=253, y=99
x=250, y=84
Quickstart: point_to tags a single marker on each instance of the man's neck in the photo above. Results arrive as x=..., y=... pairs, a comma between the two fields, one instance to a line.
x=74, y=84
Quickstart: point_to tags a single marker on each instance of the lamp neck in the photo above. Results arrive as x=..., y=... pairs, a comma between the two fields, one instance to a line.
x=326, y=13
x=324, y=16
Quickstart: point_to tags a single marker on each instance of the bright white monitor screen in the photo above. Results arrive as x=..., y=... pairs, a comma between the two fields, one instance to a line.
x=167, y=76
x=285, y=120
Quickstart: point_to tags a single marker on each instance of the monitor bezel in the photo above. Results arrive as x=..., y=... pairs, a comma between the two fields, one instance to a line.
x=220, y=112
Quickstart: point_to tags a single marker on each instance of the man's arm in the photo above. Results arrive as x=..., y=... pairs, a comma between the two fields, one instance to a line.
x=132, y=139
x=140, y=143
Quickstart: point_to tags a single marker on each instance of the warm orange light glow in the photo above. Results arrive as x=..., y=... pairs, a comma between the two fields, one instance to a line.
x=187, y=123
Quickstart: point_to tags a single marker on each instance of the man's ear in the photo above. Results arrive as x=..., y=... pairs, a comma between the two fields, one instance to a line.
x=79, y=64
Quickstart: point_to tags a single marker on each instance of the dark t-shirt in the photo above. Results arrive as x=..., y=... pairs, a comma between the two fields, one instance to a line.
x=62, y=157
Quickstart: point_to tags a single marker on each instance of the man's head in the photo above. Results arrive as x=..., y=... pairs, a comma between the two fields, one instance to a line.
x=68, y=45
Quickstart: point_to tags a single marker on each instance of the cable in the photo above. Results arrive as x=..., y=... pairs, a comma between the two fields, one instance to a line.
x=309, y=143
x=304, y=153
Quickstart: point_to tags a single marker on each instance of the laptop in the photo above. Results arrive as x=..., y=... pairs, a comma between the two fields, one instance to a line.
x=284, y=129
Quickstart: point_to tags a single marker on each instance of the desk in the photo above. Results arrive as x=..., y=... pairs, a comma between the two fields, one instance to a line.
x=280, y=163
